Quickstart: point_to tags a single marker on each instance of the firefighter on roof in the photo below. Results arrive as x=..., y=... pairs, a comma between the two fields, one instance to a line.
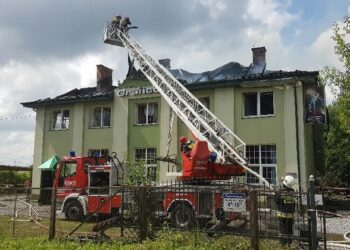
x=285, y=206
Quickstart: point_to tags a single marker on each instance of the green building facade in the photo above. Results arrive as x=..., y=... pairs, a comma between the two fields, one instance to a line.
x=265, y=109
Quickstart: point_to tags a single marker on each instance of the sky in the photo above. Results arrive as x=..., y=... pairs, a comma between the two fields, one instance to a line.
x=49, y=47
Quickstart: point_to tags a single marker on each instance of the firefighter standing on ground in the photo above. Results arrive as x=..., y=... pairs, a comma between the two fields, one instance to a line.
x=285, y=205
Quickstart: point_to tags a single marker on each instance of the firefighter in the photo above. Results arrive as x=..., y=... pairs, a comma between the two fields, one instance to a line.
x=125, y=23
x=186, y=145
x=116, y=21
x=285, y=205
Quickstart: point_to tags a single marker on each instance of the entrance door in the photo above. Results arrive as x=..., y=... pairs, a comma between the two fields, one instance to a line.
x=47, y=177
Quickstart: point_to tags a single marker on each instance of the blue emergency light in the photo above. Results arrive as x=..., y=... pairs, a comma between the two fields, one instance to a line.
x=72, y=153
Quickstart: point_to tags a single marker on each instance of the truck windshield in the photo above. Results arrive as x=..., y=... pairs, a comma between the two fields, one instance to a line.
x=69, y=169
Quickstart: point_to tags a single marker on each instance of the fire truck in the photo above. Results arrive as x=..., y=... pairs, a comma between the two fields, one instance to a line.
x=88, y=185
x=216, y=154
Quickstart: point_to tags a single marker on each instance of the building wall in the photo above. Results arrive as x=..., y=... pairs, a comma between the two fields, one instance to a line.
x=96, y=138
x=227, y=103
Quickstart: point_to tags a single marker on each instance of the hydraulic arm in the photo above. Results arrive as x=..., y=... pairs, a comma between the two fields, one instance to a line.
x=227, y=145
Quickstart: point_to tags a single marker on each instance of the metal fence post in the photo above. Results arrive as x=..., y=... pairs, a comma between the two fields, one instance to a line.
x=312, y=213
x=142, y=204
x=52, y=228
x=254, y=220
x=14, y=213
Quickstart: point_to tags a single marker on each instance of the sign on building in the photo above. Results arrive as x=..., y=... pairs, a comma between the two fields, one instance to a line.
x=135, y=91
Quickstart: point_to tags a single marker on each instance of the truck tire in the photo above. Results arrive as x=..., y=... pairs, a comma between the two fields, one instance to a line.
x=74, y=211
x=182, y=217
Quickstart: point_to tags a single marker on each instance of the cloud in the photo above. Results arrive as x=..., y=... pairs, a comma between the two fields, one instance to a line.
x=273, y=14
x=321, y=51
x=51, y=47
x=17, y=148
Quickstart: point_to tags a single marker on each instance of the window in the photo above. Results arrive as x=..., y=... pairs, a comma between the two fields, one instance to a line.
x=98, y=152
x=147, y=113
x=69, y=169
x=258, y=104
x=60, y=119
x=205, y=101
x=262, y=159
x=101, y=117
x=147, y=155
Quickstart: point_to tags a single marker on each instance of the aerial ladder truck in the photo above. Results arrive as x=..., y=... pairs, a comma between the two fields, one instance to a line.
x=227, y=146
x=78, y=197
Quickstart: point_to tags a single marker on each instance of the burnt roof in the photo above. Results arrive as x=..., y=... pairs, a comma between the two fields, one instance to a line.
x=230, y=74
x=73, y=96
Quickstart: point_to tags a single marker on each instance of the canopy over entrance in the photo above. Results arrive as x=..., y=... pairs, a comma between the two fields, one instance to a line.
x=50, y=163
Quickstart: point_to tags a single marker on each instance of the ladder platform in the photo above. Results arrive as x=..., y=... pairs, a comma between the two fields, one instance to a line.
x=113, y=41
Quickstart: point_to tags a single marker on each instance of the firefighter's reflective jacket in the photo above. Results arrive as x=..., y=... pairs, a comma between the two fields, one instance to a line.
x=285, y=203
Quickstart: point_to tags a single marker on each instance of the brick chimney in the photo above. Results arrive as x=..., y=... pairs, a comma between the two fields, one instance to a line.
x=104, y=78
x=259, y=56
x=165, y=62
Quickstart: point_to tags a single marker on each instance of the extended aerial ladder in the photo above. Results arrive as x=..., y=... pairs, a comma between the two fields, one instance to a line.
x=207, y=127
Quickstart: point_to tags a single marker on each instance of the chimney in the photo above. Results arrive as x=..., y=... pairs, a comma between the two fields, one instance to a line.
x=165, y=62
x=259, y=56
x=104, y=78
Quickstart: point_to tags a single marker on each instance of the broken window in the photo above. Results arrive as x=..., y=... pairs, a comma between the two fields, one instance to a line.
x=146, y=113
x=60, y=119
x=258, y=104
x=101, y=117
x=263, y=160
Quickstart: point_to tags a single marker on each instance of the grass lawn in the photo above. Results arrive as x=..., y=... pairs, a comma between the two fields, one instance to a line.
x=28, y=235
x=164, y=240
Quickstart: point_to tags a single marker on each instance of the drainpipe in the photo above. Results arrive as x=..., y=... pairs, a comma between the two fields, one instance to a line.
x=297, y=131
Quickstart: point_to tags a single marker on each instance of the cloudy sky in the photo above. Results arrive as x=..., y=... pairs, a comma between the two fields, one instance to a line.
x=49, y=47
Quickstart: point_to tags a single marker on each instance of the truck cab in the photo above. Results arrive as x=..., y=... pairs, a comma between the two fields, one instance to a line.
x=84, y=185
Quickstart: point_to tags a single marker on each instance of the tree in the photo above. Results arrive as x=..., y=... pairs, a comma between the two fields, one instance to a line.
x=338, y=135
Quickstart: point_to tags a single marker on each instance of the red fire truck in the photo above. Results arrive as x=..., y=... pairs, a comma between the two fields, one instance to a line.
x=90, y=185
x=217, y=154
x=83, y=185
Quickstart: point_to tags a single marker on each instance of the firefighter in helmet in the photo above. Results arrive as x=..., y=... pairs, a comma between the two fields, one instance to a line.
x=186, y=145
x=285, y=205
x=125, y=23
x=116, y=21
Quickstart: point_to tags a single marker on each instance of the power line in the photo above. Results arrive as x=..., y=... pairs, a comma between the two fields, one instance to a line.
x=18, y=117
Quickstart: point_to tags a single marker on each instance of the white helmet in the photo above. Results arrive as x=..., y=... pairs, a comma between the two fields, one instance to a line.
x=289, y=181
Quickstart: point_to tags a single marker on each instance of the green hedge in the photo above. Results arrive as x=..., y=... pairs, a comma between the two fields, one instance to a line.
x=13, y=178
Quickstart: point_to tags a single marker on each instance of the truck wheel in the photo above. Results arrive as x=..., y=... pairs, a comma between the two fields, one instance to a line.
x=182, y=217
x=74, y=211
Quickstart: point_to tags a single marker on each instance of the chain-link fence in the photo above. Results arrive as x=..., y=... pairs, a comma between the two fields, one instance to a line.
x=134, y=213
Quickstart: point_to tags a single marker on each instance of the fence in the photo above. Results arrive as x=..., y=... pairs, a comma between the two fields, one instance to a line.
x=134, y=213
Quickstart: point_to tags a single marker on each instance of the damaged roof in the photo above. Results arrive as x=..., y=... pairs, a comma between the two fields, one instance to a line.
x=230, y=74
x=73, y=96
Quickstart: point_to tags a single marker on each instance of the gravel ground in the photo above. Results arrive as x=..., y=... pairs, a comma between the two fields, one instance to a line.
x=338, y=225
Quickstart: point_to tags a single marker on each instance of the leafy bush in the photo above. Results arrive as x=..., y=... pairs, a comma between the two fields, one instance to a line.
x=13, y=178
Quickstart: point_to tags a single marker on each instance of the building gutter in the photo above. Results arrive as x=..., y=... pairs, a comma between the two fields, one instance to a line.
x=297, y=132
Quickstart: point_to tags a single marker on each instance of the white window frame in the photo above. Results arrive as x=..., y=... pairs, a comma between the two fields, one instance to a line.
x=148, y=167
x=101, y=125
x=100, y=151
x=66, y=122
x=261, y=165
x=258, y=109
x=147, y=110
